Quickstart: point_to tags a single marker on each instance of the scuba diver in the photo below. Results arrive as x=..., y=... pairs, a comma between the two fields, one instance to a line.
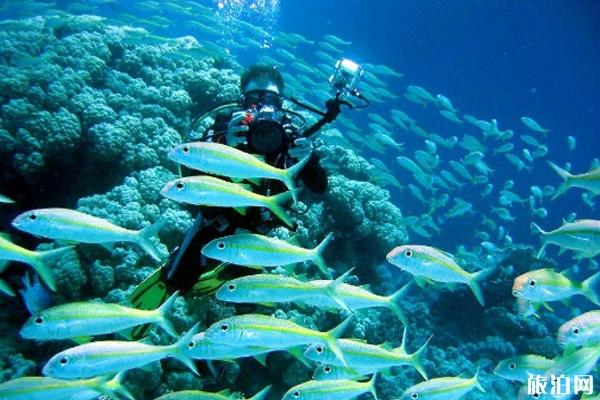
x=259, y=124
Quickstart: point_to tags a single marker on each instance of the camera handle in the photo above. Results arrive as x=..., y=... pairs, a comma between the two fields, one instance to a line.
x=334, y=107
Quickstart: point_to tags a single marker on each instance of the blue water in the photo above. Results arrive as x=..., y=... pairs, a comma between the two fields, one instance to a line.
x=494, y=59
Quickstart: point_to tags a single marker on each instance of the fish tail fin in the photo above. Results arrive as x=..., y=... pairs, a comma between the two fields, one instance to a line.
x=112, y=387
x=543, y=233
x=476, y=289
x=482, y=275
x=331, y=339
x=474, y=283
x=6, y=289
x=291, y=174
x=335, y=349
x=144, y=236
x=416, y=358
x=395, y=298
x=590, y=288
x=477, y=382
x=274, y=204
x=181, y=346
x=318, y=251
x=262, y=394
x=333, y=286
x=41, y=259
x=162, y=312
x=565, y=175
x=372, y=387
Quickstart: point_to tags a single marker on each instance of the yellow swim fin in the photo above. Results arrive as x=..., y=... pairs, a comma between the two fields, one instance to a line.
x=209, y=282
x=148, y=295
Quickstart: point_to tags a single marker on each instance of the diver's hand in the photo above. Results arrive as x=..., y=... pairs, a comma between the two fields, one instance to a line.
x=236, y=131
x=301, y=148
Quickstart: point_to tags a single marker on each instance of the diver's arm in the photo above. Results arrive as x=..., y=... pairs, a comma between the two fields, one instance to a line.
x=217, y=132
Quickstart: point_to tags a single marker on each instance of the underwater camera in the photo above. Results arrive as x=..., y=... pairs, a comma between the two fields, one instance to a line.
x=265, y=121
x=346, y=76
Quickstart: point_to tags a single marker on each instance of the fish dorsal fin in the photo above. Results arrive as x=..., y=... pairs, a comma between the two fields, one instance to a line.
x=565, y=272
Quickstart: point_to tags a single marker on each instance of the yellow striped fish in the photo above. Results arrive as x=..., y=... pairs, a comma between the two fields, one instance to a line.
x=215, y=192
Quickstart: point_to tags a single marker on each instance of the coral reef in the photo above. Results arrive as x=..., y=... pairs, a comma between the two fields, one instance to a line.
x=79, y=96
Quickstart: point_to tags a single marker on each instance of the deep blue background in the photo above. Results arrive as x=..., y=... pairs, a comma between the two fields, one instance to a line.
x=502, y=59
x=495, y=59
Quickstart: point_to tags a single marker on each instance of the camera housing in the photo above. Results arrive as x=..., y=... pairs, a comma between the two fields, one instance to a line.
x=346, y=76
x=265, y=129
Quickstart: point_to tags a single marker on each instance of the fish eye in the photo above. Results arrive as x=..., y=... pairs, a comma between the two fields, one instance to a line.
x=186, y=149
x=296, y=394
x=408, y=253
x=319, y=349
x=32, y=217
x=39, y=320
x=224, y=328
x=575, y=330
x=221, y=245
x=512, y=366
x=191, y=345
x=532, y=282
x=231, y=287
x=179, y=185
x=415, y=395
x=535, y=395
x=64, y=361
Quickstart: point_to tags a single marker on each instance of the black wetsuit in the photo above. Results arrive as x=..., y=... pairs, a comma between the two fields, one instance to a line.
x=186, y=263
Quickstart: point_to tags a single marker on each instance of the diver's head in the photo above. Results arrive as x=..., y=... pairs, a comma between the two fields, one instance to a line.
x=262, y=87
x=261, y=84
